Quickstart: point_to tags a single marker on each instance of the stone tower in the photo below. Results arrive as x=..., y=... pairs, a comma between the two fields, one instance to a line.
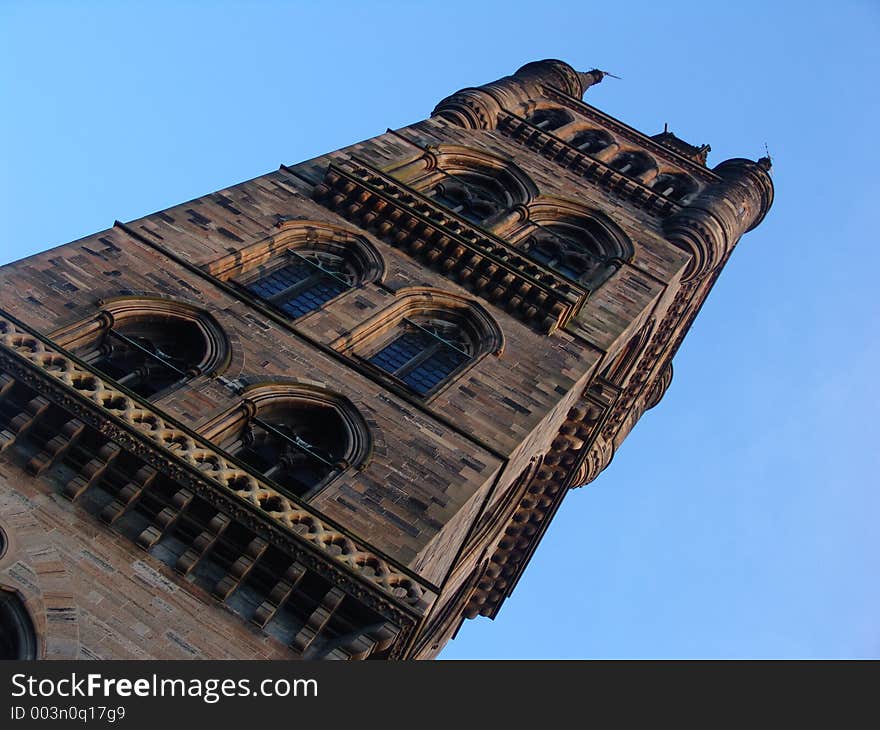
x=330, y=411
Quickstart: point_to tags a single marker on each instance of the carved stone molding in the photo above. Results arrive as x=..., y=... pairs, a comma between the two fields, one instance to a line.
x=583, y=448
x=659, y=387
x=658, y=347
x=487, y=266
x=569, y=157
x=541, y=497
x=633, y=136
x=190, y=460
x=471, y=108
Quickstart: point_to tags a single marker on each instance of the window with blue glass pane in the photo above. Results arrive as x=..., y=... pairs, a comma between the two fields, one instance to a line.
x=424, y=354
x=308, y=280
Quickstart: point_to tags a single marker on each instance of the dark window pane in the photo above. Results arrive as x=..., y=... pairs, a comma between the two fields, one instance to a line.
x=137, y=363
x=298, y=452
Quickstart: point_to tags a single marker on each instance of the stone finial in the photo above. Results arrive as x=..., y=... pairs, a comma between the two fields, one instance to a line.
x=588, y=78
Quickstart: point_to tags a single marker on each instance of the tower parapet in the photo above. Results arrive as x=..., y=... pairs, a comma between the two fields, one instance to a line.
x=711, y=224
x=478, y=107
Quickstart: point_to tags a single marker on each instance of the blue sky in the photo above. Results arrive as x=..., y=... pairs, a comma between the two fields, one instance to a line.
x=740, y=518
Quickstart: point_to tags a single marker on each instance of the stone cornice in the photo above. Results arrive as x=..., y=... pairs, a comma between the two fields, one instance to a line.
x=583, y=447
x=563, y=467
x=190, y=460
x=482, y=263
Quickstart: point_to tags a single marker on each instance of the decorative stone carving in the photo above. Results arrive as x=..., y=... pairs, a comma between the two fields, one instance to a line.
x=187, y=458
x=486, y=265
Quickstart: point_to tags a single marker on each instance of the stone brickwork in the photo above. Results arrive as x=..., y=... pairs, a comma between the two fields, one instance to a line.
x=199, y=555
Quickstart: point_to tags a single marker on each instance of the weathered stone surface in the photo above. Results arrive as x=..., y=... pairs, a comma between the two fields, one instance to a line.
x=458, y=486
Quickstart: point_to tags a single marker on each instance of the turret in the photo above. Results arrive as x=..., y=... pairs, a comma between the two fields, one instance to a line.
x=711, y=224
x=478, y=107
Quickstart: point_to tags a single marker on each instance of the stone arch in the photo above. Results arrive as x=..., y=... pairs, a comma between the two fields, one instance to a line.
x=18, y=636
x=550, y=118
x=674, y=185
x=580, y=243
x=634, y=163
x=481, y=325
x=457, y=159
x=32, y=569
x=303, y=234
x=621, y=364
x=302, y=267
x=548, y=210
x=591, y=140
x=488, y=179
x=149, y=344
x=419, y=322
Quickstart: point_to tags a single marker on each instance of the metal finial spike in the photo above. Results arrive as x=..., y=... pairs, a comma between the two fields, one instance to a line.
x=612, y=75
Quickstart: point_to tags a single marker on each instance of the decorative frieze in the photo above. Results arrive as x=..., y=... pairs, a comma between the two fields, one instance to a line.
x=194, y=463
x=487, y=266
x=541, y=498
x=587, y=166
x=633, y=136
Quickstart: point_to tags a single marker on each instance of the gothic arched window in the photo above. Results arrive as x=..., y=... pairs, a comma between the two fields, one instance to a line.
x=297, y=436
x=18, y=639
x=301, y=281
x=148, y=346
x=302, y=267
x=424, y=339
x=632, y=163
x=591, y=141
x=146, y=356
x=584, y=253
x=479, y=187
x=549, y=119
x=425, y=351
x=473, y=196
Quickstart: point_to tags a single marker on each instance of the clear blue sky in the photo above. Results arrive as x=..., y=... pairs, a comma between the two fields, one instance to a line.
x=740, y=518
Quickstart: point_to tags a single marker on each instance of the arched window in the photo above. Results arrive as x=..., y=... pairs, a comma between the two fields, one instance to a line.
x=302, y=267
x=591, y=141
x=148, y=346
x=146, y=356
x=18, y=639
x=424, y=352
x=632, y=163
x=481, y=188
x=585, y=252
x=674, y=185
x=475, y=197
x=550, y=119
x=424, y=338
x=621, y=364
x=297, y=436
